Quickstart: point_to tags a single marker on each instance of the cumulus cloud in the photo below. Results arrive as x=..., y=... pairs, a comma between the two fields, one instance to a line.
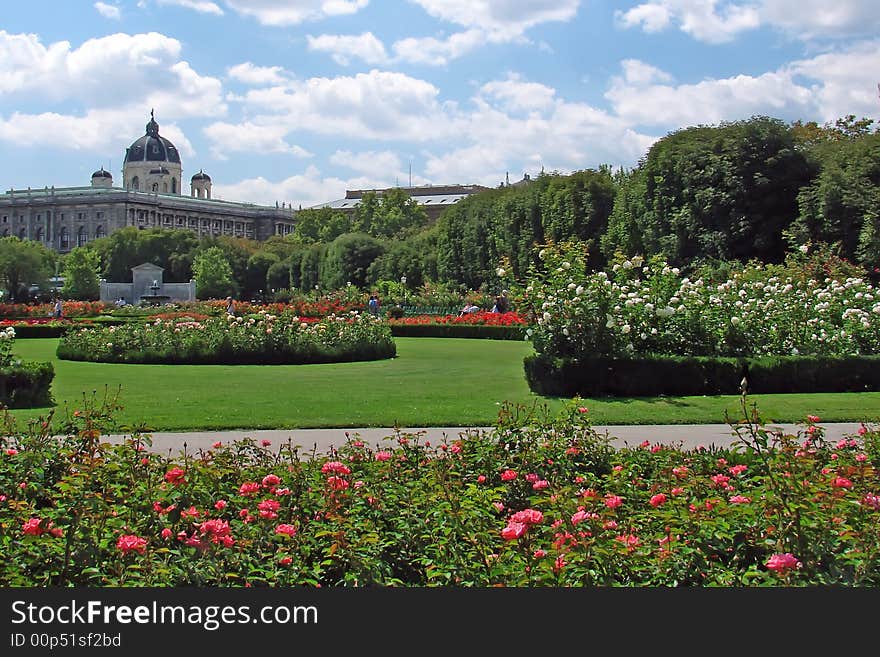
x=809, y=19
x=715, y=21
x=375, y=105
x=306, y=189
x=95, y=131
x=381, y=164
x=293, y=12
x=247, y=137
x=705, y=20
x=515, y=94
x=344, y=47
x=503, y=17
x=439, y=52
x=824, y=87
x=144, y=66
x=201, y=6
x=108, y=11
x=256, y=75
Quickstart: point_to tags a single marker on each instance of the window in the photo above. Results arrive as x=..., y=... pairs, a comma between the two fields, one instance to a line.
x=136, y=183
x=5, y=218
x=80, y=216
x=174, y=185
x=65, y=238
x=39, y=236
x=22, y=234
x=81, y=237
x=99, y=215
x=99, y=232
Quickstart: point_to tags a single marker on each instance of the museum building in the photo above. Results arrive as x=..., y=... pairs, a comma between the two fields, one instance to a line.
x=150, y=197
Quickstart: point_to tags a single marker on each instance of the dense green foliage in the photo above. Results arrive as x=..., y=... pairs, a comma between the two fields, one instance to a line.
x=81, y=267
x=24, y=263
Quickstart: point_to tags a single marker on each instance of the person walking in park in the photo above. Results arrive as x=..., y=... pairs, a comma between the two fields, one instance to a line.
x=230, y=307
x=58, y=312
x=373, y=305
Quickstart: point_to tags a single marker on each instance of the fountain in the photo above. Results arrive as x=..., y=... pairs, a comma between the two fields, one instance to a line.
x=155, y=299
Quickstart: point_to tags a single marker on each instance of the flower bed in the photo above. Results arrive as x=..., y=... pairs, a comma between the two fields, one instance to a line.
x=71, y=309
x=647, y=307
x=496, y=326
x=545, y=502
x=260, y=338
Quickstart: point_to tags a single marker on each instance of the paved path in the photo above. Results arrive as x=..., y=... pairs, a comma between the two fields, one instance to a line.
x=322, y=440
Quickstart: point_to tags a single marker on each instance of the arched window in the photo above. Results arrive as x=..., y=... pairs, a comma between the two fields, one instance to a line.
x=65, y=238
x=39, y=236
x=174, y=185
x=155, y=187
x=135, y=183
x=22, y=234
x=99, y=232
x=81, y=237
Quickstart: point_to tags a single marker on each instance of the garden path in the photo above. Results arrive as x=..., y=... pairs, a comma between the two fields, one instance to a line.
x=687, y=436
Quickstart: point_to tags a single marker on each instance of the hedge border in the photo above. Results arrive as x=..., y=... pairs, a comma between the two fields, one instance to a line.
x=26, y=384
x=650, y=376
x=458, y=331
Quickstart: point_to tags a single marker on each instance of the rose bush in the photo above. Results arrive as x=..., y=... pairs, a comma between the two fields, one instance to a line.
x=258, y=338
x=646, y=307
x=543, y=501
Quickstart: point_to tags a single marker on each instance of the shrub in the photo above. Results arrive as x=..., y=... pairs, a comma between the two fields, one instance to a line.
x=543, y=501
x=26, y=384
x=258, y=338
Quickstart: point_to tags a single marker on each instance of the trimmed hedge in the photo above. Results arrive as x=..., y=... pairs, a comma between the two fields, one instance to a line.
x=650, y=376
x=458, y=331
x=26, y=384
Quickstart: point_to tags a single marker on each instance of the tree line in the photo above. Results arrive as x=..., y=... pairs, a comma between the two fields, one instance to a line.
x=701, y=196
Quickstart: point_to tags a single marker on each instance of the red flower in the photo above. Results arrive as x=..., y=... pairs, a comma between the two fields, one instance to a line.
x=131, y=543
x=175, y=476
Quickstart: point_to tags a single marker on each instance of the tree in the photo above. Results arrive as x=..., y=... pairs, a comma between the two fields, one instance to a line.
x=81, y=267
x=213, y=274
x=23, y=263
x=347, y=260
x=257, y=267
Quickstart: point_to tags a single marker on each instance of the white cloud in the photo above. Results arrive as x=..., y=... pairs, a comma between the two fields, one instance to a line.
x=817, y=18
x=505, y=17
x=822, y=88
x=307, y=189
x=381, y=164
x=842, y=83
x=716, y=21
x=517, y=95
x=256, y=75
x=638, y=72
x=439, y=52
x=108, y=11
x=704, y=20
x=201, y=6
x=343, y=47
x=248, y=137
x=97, y=131
x=374, y=105
x=141, y=66
x=293, y=12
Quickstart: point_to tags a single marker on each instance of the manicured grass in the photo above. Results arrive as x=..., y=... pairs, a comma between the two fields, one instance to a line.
x=432, y=382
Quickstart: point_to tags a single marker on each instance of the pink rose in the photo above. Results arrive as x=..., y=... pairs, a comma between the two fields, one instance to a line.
x=513, y=531
x=508, y=475
x=782, y=562
x=131, y=543
x=657, y=500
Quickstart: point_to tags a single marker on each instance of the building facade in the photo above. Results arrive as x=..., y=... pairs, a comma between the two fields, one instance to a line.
x=151, y=197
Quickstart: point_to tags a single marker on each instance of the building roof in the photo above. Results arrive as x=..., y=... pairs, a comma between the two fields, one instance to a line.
x=152, y=147
x=427, y=195
x=201, y=175
x=102, y=174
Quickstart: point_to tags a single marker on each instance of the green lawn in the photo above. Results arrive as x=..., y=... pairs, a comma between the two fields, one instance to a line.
x=432, y=382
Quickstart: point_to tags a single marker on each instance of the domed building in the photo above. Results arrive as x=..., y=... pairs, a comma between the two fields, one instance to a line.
x=151, y=196
x=152, y=163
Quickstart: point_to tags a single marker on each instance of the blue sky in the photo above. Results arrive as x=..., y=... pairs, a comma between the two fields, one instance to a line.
x=298, y=100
